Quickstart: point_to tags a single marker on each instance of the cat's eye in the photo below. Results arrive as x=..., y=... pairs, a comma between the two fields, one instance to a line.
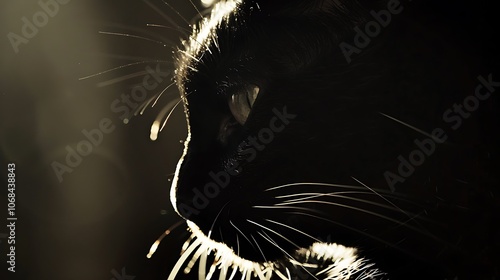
x=241, y=102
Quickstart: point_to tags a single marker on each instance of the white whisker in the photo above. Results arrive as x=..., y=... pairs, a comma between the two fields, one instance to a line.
x=409, y=126
x=153, y=248
x=186, y=244
x=120, y=67
x=196, y=8
x=281, y=207
x=308, y=195
x=270, y=240
x=142, y=108
x=161, y=93
x=353, y=230
x=177, y=12
x=202, y=266
x=216, y=217
x=183, y=258
x=221, y=235
x=260, y=250
x=412, y=216
x=210, y=272
x=235, y=269
x=280, y=275
x=277, y=233
x=260, y=273
x=241, y=233
x=145, y=105
x=292, y=228
x=192, y=69
x=336, y=262
x=121, y=79
x=167, y=110
x=318, y=195
x=364, y=211
x=223, y=273
x=315, y=184
x=189, y=55
x=336, y=195
x=171, y=21
x=122, y=57
x=216, y=43
x=381, y=196
x=194, y=259
x=163, y=44
x=178, y=28
x=237, y=245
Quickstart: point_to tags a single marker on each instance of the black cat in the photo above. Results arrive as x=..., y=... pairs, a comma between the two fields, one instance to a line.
x=369, y=123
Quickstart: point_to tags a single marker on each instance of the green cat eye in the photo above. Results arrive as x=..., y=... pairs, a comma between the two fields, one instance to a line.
x=241, y=102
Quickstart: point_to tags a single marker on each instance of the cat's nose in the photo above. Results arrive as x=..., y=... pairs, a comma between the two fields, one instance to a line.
x=196, y=191
x=185, y=205
x=188, y=206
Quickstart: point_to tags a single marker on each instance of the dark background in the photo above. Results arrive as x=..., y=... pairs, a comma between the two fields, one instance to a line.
x=100, y=221
x=105, y=215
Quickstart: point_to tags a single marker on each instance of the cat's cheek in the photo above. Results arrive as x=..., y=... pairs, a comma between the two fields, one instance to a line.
x=234, y=168
x=250, y=153
x=221, y=178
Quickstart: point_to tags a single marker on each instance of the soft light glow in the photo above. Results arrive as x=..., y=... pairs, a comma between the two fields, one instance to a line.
x=173, y=187
x=155, y=128
x=202, y=34
x=331, y=261
x=207, y=3
x=153, y=249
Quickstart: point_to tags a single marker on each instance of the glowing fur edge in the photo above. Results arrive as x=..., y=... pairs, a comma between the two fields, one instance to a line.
x=337, y=262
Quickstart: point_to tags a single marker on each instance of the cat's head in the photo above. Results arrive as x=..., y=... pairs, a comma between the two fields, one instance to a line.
x=298, y=116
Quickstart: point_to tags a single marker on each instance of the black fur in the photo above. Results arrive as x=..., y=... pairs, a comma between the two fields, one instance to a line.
x=424, y=61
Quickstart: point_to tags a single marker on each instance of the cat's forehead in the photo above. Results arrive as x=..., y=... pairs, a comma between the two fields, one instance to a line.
x=267, y=28
x=203, y=37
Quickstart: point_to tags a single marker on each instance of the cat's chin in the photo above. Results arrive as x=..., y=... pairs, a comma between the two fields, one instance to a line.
x=319, y=261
